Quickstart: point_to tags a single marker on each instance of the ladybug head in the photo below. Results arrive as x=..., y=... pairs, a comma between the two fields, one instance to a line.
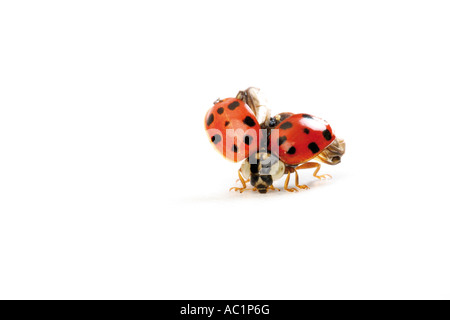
x=262, y=169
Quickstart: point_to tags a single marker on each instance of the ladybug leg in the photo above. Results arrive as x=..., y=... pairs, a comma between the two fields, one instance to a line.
x=273, y=188
x=244, y=185
x=303, y=186
x=311, y=165
x=286, y=184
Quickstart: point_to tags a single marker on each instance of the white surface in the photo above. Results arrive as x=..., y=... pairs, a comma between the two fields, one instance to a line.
x=109, y=187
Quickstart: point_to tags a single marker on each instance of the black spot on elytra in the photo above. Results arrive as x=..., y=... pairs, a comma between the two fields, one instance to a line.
x=233, y=105
x=210, y=120
x=220, y=110
x=292, y=150
x=248, y=140
x=249, y=121
x=216, y=138
x=286, y=125
x=313, y=147
x=235, y=148
x=227, y=123
x=282, y=140
x=327, y=134
x=306, y=131
x=305, y=115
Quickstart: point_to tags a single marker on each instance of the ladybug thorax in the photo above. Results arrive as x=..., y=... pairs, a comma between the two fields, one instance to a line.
x=263, y=169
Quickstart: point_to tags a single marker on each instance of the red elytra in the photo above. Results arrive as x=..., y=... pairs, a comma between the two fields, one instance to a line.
x=301, y=137
x=233, y=129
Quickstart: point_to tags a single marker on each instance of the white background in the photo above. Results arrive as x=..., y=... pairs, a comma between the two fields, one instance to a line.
x=109, y=187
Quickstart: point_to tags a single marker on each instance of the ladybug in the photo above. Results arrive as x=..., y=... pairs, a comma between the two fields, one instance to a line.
x=274, y=146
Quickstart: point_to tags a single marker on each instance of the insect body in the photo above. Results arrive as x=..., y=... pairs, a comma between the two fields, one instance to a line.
x=278, y=146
